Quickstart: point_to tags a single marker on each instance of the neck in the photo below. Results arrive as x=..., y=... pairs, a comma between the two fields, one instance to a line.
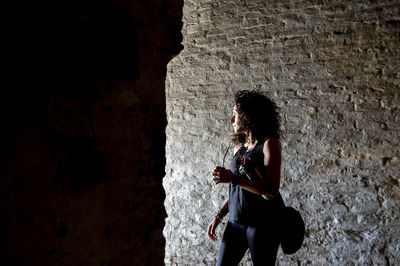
x=249, y=139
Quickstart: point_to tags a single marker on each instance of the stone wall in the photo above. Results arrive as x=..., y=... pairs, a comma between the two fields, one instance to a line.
x=82, y=135
x=333, y=69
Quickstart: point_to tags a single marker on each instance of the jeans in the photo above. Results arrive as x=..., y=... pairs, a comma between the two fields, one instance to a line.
x=262, y=240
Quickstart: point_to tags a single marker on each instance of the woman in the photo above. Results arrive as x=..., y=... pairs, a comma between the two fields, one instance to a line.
x=254, y=178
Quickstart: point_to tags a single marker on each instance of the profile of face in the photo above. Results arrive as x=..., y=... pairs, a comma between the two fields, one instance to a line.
x=237, y=126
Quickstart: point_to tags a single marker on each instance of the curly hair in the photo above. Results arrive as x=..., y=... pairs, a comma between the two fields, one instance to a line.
x=258, y=115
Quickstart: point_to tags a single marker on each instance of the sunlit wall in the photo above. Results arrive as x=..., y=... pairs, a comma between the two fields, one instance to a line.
x=333, y=69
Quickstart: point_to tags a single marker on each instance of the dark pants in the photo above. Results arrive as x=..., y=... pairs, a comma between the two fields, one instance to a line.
x=261, y=240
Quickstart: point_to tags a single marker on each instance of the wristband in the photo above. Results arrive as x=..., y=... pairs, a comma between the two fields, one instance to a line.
x=221, y=214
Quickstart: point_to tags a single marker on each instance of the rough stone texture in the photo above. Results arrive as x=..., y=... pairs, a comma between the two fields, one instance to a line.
x=333, y=68
x=82, y=137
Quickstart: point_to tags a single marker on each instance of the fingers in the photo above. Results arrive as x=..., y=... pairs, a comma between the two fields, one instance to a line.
x=216, y=172
x=211, y=231
x=212, y=235
x=222, y=176
x=218, y=180
x=217, y=175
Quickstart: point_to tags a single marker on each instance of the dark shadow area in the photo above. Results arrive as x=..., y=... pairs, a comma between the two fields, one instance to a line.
x=82, y=136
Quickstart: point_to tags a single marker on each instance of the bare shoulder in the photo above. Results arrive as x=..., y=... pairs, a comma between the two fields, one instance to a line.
x=272, y=143
x=272, y=146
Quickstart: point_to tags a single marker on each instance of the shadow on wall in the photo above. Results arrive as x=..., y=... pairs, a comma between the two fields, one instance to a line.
x=81, y=159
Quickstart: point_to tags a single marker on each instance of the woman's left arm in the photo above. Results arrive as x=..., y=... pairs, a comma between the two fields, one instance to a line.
x=272, y=164
x=271, y=172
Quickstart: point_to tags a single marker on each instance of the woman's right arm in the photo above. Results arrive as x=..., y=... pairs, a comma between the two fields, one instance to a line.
x=217, y=220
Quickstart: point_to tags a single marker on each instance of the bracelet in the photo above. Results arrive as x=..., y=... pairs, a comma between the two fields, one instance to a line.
x=221, y=214
x=235, y=180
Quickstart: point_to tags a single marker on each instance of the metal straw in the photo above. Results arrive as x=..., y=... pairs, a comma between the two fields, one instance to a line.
x=223, y=160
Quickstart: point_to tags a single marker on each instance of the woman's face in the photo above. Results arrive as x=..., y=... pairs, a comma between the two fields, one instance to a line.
x=237, y=126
